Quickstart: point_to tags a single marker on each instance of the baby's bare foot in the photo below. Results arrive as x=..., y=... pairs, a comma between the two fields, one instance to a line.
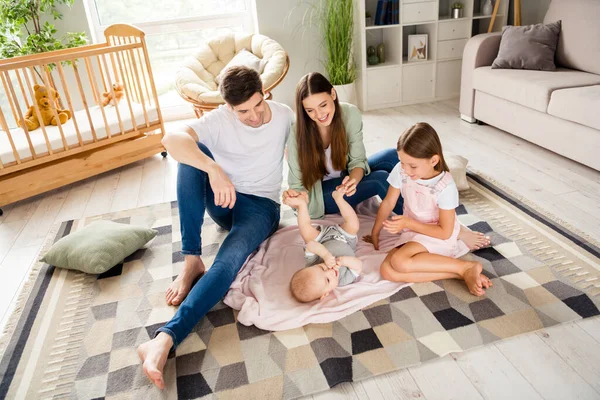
x=486, y=282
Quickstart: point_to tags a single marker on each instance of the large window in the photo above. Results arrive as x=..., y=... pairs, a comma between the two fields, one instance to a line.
x=173, y=29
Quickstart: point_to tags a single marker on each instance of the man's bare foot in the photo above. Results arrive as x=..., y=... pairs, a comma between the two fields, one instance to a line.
x=473, y=240
x=154, y=356
x=472, y=276
x=180, y=287
x=486, y=282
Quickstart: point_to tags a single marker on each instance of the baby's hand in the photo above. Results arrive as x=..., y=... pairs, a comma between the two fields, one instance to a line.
x=330, y=261
x=297, y=201
x=339, y=192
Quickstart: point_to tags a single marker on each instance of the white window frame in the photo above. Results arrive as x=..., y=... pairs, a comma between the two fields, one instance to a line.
x=246, y=19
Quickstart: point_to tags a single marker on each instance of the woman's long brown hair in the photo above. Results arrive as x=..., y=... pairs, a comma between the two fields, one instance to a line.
x=311, y=152
x=422, y=141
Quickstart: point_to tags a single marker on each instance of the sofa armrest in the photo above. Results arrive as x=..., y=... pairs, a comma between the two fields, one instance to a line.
x=480, y=51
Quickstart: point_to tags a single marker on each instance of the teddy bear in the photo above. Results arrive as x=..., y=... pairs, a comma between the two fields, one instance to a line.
x=107, y=97
x=42, y=98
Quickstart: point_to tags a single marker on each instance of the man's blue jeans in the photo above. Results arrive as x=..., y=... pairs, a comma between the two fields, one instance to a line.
x=374, y=184
x=252, y=220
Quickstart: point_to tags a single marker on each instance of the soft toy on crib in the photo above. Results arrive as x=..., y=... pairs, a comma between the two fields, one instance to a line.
x=48, y=117
x=107, y=97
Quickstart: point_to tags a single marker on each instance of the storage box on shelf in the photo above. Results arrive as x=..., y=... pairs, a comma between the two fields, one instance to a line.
x=398, y=80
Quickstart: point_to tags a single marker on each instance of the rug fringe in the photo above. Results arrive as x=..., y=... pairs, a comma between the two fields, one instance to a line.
x=25, y=291
x=535, y=207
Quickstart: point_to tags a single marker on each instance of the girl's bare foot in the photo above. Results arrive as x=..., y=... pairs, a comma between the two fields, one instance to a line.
x=154, y=356
x=472, y=276
x=486, y=282
x=473, y=240
x=180, y=287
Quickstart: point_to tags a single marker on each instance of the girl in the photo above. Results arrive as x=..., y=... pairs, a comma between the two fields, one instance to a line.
x=326, y=150
x=428, y=227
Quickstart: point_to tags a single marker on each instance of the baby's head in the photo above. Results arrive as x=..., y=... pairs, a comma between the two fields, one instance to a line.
x=314, y=282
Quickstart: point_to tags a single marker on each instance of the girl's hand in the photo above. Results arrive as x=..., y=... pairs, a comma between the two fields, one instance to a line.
x=396, y=224
x=349, y=185
x=373, y=239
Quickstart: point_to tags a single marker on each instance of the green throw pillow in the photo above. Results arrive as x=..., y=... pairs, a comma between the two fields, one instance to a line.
x=98, y=247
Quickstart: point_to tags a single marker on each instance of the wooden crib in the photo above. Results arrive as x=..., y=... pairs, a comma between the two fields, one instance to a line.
x=95, y=139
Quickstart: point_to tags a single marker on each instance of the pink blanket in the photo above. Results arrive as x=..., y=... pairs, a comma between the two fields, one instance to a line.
x=261, y=290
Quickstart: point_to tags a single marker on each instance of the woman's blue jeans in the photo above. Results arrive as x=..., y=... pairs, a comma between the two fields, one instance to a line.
x=252, y=220
x=374, y=184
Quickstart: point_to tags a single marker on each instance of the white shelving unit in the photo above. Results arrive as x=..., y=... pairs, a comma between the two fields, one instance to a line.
x=398, y=81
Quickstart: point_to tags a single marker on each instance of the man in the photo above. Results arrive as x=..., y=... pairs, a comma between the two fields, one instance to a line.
x=231, y=165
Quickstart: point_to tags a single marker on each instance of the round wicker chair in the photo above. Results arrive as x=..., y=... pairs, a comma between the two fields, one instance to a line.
x=196, y=79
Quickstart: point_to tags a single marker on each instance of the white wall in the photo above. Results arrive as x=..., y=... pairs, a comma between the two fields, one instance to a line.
x=303, y=46
x=532, y=11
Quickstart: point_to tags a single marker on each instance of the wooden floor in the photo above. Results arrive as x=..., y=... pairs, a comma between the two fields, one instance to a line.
x=560, y=363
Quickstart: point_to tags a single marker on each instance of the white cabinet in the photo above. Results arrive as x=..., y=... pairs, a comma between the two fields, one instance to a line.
x=449, y=30
x=447, y=80
x=417, y=82
x=451, y=49
x=398, y=81
x=418, y=12
x=383, y=85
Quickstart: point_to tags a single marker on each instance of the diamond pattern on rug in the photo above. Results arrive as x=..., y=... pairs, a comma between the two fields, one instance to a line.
x=222, y=358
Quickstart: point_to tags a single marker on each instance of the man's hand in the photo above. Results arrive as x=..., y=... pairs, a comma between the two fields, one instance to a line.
x=294, y=198
x=396, y=224
x=222, y=187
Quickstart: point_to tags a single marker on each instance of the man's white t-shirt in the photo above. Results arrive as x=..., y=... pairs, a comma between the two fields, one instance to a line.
x=448, y=197
x=251, y=157
x=331, y=172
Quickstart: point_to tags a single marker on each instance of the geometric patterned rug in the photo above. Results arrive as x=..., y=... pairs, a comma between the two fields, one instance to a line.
x=75, y=335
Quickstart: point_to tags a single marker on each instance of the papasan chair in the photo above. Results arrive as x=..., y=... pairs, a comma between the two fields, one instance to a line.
x=197, y=81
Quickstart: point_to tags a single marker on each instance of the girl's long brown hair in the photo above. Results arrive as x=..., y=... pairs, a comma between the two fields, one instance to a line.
x=422, y=141
x=311, y=152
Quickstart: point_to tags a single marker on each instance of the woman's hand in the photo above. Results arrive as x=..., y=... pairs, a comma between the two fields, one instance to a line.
x=349, y=185
x=396, y=224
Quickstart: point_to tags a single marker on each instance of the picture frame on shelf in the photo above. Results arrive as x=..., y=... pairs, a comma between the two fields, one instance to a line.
x=418, y=48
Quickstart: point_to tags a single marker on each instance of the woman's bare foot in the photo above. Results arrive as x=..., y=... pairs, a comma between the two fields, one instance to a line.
x=154, y=356
x=180, y=287
x=486, y=282
x=472, y=276
x=473, y=240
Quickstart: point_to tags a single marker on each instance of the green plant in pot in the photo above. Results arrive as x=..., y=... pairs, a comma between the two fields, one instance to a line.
x=22, y=31
x=457, y=10
x=334, y=19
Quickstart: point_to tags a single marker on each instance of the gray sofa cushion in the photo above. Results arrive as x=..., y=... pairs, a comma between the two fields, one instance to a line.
x=528, y=47
x=579, y=39
x=578, y=104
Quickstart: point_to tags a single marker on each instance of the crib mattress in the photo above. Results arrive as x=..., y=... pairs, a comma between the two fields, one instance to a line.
x=39, y=143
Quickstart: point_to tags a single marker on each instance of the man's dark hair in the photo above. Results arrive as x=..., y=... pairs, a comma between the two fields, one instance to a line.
x=238, y=84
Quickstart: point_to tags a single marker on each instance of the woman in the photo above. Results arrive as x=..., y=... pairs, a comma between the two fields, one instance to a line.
x=326, y=150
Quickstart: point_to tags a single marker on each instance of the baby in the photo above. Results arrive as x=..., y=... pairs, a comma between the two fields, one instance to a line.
x=329, y=256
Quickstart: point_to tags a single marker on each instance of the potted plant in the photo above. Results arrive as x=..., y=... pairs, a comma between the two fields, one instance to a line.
x=368, y=19
x=457, y=10
x=22, y=31
x=337, y=26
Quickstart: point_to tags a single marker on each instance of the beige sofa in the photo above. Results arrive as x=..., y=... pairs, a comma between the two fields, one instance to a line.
x=557, y=110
